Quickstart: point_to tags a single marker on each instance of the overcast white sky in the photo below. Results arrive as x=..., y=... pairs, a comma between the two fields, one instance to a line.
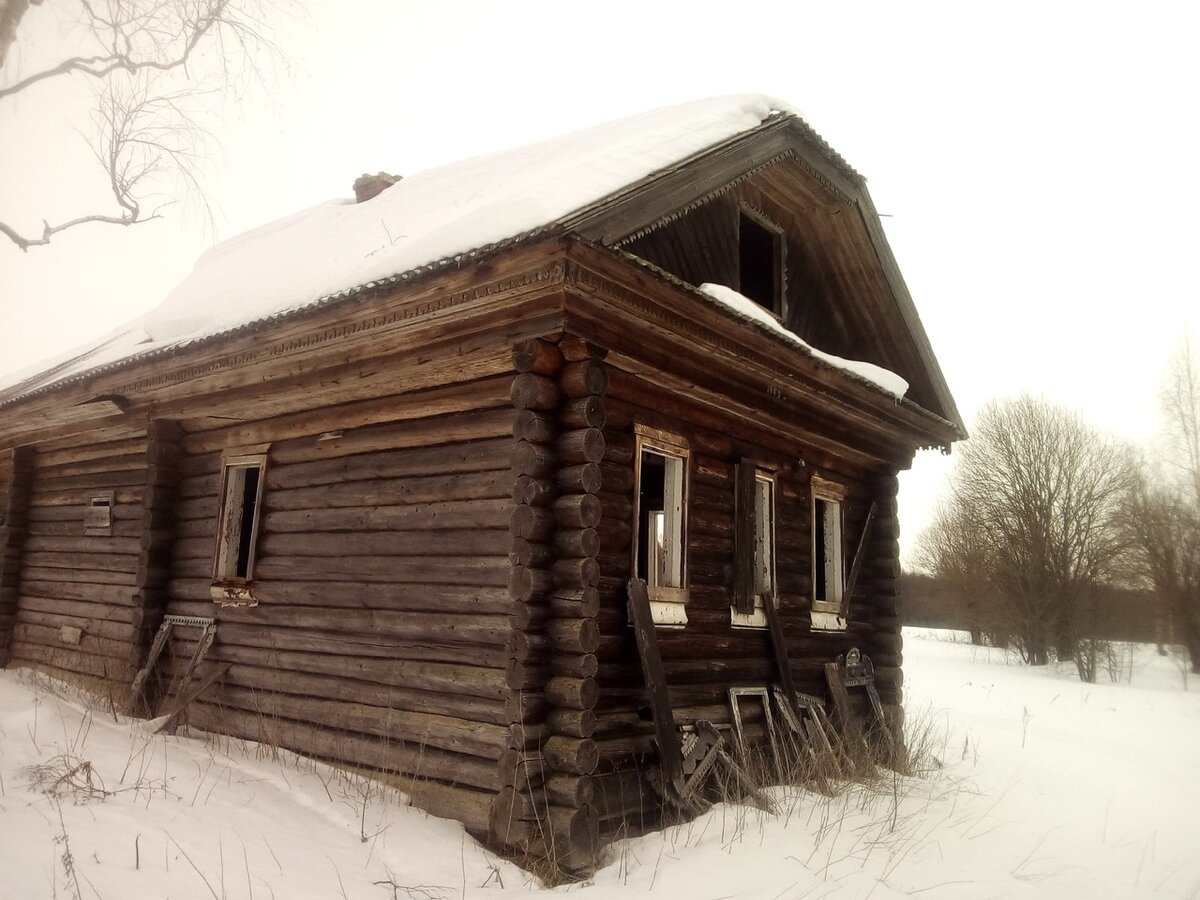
x=1037, y=162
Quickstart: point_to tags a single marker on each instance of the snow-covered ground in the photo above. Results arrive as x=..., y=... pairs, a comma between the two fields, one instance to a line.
x=1047, y=788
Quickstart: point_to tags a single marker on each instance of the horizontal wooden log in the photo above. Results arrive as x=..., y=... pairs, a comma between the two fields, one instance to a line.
x=77, y=576
x=576, y=574
x=569, y=790
x=82, y=562
x=473, y=456
x=577, y=542
x=416, y=730
x=583, y=412
x=452, y=599
x=572, y=693
x=532, y=523
x=110, y=630
x=372, y=751
x=578, y=511
x=535, y=392
x=115, y=671
x=577, y=756
x=580, y=723
x=87, y=642
x=533, y=491
x=537, y=356
x=581, y=479
x=431, y=677
x=488, y=513
x=451, y=542
x=340, y=643
x=582, y=446
x=49, y=457
x=574, y=635
x=460, y=570
x=534, y=460
x=584, y=378
x=526, y=584
x=535, y=427
x=530, y=553
x=575, y=665
x=580, y=604
x=377, y=422
x=393, y=491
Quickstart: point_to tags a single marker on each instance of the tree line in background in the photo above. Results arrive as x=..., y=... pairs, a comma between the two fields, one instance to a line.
x=1056, y=539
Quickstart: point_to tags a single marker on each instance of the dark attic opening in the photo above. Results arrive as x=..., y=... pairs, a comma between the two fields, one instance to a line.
x=760, y=262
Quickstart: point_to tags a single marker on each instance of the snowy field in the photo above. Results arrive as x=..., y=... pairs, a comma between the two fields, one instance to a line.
x=1047, y=788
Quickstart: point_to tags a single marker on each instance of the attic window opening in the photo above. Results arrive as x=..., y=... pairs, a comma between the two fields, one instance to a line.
x=761, y=262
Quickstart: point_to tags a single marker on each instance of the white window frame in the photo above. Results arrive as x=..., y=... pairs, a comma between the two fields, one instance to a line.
x=829, y=496
x=228, y=587
x=765, y=552
x=668, y=603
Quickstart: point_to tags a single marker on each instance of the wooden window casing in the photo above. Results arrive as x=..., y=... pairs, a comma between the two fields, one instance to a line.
x=828, y=555
x=660, y=534
x=755, y=506
x=242, y=480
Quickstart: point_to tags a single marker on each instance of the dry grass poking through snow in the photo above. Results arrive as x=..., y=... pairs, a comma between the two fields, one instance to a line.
x=1025, y=784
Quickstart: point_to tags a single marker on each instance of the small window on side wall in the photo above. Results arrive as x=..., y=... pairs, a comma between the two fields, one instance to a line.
x=828, y=612
x=755, y=577
x=661, y=518
x=237, y=530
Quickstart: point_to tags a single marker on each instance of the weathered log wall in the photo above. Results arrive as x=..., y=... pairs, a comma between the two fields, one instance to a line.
x=383, y=616
x=76, y=608
x=707, y=656
x=14, y=507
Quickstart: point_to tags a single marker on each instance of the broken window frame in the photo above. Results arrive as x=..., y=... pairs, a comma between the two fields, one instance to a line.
x=762, y=580
x=668, y=603
x=829, y=613
x=229, y=585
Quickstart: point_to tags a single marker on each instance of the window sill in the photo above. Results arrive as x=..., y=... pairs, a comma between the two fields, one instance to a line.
x=226, y=593
x=756, y=619
x=827, y=620
x=668, y=607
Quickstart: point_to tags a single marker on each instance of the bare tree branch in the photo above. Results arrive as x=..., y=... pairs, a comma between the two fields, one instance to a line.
x=144, y=130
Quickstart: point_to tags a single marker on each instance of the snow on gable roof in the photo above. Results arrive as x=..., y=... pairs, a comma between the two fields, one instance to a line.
x=432, y=216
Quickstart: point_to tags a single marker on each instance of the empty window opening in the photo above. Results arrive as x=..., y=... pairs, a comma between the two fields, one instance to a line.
x=660, y=505
x=760, y=263
x=239, y=521
x=764, y=537
x=827, y=552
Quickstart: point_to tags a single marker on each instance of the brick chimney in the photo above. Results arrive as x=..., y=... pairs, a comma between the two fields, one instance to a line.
x=367, y=186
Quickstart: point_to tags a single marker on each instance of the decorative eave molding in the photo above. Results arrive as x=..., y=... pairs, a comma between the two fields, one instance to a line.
x=848, y=403
x=146, y=374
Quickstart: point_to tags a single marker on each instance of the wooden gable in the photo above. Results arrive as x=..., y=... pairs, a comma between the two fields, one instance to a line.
x=841, y=289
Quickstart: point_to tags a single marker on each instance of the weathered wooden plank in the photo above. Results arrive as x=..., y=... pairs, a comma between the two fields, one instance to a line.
x=492, y=512
x=493, y=484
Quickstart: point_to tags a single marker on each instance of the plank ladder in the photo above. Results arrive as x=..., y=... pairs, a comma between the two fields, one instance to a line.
x=208, y=632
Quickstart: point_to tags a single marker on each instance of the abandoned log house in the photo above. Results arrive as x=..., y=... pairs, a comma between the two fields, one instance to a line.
x=497, y=476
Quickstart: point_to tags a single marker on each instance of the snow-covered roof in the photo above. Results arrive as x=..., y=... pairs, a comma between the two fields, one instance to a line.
x=321, y=254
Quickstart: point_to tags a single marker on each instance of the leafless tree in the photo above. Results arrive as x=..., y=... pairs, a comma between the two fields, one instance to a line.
x=953, y=551
x=1166, y=508
x=153, y=66
x=1040, y=497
